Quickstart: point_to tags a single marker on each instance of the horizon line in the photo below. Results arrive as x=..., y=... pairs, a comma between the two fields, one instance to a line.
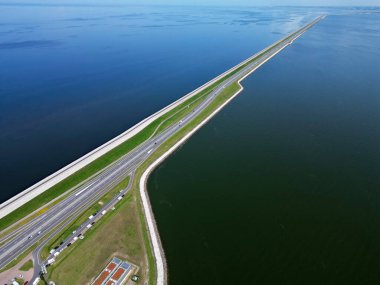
x=182, y=5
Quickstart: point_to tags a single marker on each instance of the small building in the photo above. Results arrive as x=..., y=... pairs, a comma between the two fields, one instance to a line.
x=115, y=273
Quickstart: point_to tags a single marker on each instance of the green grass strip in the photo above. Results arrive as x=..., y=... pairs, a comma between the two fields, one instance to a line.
x=27, y=265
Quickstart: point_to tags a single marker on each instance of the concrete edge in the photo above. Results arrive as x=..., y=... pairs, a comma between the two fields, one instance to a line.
x=158, y=251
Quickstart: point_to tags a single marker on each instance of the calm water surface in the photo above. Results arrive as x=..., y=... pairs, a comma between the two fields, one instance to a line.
x=282, y=187
x=73, y=77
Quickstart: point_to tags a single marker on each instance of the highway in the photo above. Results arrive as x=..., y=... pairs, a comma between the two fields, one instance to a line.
x=77, y=234
x=43, y=228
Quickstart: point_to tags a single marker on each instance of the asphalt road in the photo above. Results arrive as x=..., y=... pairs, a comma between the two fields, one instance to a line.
x=44, y=227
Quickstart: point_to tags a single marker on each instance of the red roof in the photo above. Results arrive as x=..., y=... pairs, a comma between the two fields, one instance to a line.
x=103, y=276
x=117, y=274
x=111, y=266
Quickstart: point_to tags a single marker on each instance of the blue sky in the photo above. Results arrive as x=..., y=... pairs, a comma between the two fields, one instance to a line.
x=267, y=2
x=217, y=2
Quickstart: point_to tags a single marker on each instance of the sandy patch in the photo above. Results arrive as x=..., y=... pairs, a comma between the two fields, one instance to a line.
x=8, y=275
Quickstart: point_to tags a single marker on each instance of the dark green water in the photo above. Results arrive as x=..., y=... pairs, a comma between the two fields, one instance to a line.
x=282, y=186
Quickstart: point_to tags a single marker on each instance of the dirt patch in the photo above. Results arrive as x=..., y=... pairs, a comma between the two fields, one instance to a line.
x=15, y=272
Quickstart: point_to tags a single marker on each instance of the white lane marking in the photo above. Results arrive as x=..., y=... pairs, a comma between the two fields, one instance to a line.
x=80, y=192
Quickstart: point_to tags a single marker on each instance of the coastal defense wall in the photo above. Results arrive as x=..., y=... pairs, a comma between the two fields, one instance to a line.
x=48, y=182
x=162, y=278
x=45, y=184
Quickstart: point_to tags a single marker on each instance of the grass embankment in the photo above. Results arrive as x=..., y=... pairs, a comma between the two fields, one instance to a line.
x=122, y=231
x=27, y=265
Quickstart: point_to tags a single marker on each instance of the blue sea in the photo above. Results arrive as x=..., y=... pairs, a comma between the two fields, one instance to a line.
x=73, y=77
